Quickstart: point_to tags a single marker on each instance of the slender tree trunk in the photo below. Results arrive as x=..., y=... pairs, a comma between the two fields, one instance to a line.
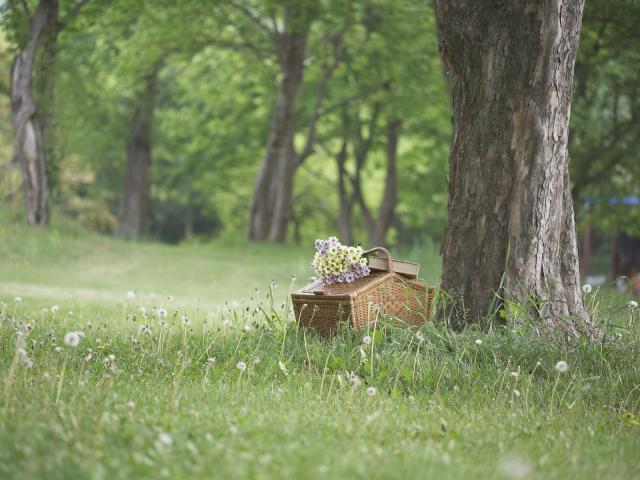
x=30, y=128
x=380, y=228
x=135, y=189
x=271, y=203
x=511, y=232
x=346, y=200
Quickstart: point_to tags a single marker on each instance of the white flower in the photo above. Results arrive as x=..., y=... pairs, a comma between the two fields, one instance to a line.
x=632, y=304
x=162, y=312
x=87, y=357
x=514, y=374
x=55, y=308
x=354, y=380
x=143, y=328
x=256, y=359
x=211, y=360
x=516, y=392
x=420, y=336
x=44, y=311
x=72, y=339
x=143, y=311
x=478, y=342
x=17, y=299
x=241, y=366
x=185, y=320
x=131, y=295
x=246, y=328
x=131, y=404
x=57, y=349
x=226, y=323
x=586, y=288
x=108, y=359
x=283, y=367
x=366, y=340
x=371, y=391
x=165, y=439
x=562, y=366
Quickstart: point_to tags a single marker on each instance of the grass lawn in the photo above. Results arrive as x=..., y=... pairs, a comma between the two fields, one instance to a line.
x=163, y=397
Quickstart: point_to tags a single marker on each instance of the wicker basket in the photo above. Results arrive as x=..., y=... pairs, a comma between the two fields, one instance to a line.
x=322, y=306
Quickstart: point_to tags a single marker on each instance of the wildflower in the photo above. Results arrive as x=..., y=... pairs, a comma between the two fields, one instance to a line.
x=131, y=295
x=562, y=366
x=226, y=323
x=241, y=366
x=87, y=357
x=44, y=311
x=283, y=367
x=632, y=304
x=185, y=320
x=246, y=328
x=165, y=439
x=143, y=328
x=371, y=391
x=162, y=312
x=131, y=405
x=170, y=298
x=143, y=311
x=55, y=309
x=516, y=392
x=211, y=360
x=366, y=340
x=57, y=349
x=514, y=374
x=108, y=359
x=586, y=288
x=72, y=339
x=354, y=380
x=420, y=336
x=256, y=359
x=478, y=342
x=17, y=299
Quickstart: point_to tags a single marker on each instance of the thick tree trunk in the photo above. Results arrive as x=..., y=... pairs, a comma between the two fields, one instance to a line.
x=30, y=128
x=135, y=189
x=271, y=203
x=511, y=232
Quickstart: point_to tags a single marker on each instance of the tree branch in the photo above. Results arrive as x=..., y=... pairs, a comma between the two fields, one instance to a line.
x=254, y=18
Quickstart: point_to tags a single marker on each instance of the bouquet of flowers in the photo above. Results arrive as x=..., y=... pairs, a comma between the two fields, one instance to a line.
x=337, y=263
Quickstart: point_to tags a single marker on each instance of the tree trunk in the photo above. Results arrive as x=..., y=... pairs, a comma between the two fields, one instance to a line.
x=346, y=200
x=380, y=228
x=271, y=203
x=511, y=232
x=135, y=189
x=30, y=128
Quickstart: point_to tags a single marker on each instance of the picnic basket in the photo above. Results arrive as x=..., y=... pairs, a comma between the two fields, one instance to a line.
x=322, y=306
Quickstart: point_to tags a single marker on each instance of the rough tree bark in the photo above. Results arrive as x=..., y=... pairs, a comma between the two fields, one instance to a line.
x=511, y=232
x=29, y=125
x=135, y=189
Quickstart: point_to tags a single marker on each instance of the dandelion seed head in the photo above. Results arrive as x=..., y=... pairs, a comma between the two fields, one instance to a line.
x=478, y=342
x=632, y=304
x=211, y=360
x=44, y=311
x=586, y=288
x=255, y=359
x=55, y=309
x=366, y=340
x=420, y=336
x=162, y=312
x=72, y=339
x=371, y=391
x=514, y=374
x=165, y=439
x=17, y=299
x=562, y=366
x=131, y=295
x=516, y=392
x=241, y=366
x=185, y=320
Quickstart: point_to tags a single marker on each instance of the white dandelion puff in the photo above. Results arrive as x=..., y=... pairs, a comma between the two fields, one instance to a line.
x=211, y=360
x=514, y=374
x=366, y=340
x=55, y=309
x=44, y=311
x=516, y=392
x=354, y=380
x=586, y=288
x=162, y=312
x=632, y=304
x=185, y=320
x=562, y=366
x=371, y=391
x=241, y=366
x=246, y=328
x=131, y=295
x=256, y=359
x=420, y=336
x=478, y=342
x=165, y=439
x=72, y=339
x=17, y=299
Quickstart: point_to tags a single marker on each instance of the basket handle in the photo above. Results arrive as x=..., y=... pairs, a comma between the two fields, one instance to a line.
x=386, y=254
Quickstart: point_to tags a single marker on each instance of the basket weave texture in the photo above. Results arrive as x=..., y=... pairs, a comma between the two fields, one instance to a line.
x=322, y=306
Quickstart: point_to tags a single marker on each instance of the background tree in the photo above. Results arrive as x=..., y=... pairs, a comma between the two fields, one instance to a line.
x=511, y=232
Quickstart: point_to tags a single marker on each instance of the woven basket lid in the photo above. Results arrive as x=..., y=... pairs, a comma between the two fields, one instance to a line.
x=318, y=287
